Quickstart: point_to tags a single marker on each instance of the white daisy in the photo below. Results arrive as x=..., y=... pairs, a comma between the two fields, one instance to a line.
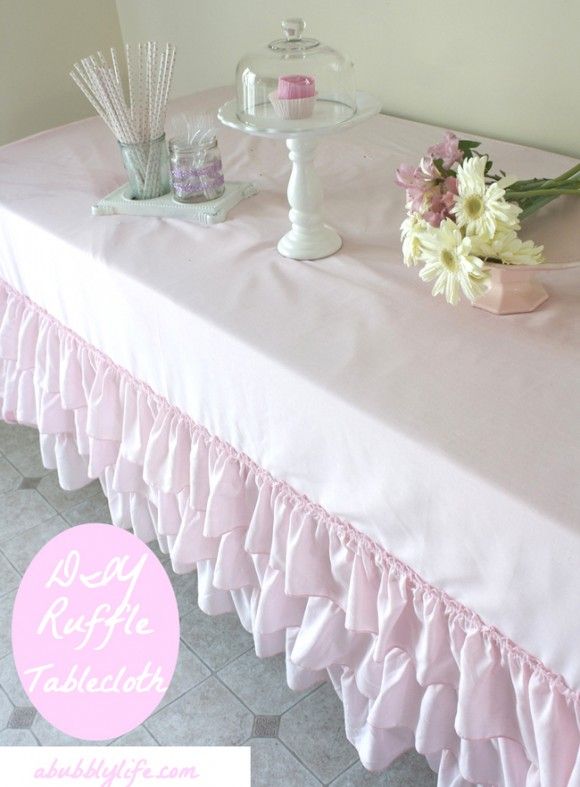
x=480, y=208
x=450, y=262
x=411, y=230
x=507, y=247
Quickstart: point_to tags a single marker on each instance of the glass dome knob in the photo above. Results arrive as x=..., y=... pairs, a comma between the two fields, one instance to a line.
x=293, y=28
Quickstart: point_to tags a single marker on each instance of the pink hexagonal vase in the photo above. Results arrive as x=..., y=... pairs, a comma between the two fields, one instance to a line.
x=514, y=289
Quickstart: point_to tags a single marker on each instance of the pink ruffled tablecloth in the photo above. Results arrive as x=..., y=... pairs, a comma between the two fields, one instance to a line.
x=382, y=486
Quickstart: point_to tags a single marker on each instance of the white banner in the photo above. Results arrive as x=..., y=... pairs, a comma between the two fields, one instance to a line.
x=125, y=766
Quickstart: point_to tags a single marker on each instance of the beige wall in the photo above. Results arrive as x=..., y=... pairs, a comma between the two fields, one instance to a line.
x=39, y=42
x=506, y=68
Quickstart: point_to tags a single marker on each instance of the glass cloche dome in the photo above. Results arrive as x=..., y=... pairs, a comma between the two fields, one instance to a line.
x=295, y=83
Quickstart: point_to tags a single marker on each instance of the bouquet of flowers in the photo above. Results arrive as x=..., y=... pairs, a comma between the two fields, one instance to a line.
x=462, y=216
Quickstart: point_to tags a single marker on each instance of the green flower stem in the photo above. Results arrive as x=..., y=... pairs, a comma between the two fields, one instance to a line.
x=539, y=192
x=521, y=186
x=534, y=194
x=536, y=204
x=568, y=174
x=536, y=183
x=566, y=179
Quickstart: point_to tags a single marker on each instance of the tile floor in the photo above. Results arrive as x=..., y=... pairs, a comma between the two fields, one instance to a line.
x=221, y=694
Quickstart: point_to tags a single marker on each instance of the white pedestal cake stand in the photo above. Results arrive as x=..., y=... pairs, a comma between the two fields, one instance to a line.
x=309, y=238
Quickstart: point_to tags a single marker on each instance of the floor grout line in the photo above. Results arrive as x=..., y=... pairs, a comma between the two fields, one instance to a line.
x=217, y=677
x=239, y=656
x=20, y=473
x=7, y=593
x=7, y=559
x=195, y=653
x=27, y=529
x=183, y=693
x=310, y=691
x=197, y=656
x=296, y=757
x=3, y=690
x=169, y=704
x=35, y=737
x=348, y=767
x=13, y=466
x=62, y=513
x=150, y=733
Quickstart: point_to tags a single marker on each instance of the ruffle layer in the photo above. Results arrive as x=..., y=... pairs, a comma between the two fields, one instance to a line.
x=413, y=667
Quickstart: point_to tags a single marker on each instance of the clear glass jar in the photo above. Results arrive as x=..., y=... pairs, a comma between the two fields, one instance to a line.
x=295, y=83
x=196, y=170
x=147, y=168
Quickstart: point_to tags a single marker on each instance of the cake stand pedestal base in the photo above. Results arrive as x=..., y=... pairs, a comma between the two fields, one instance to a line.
x=311, y=246
x=309, y=238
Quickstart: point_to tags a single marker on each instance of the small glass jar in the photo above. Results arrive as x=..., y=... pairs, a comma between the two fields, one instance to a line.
x=196, y=170
x=147, y=168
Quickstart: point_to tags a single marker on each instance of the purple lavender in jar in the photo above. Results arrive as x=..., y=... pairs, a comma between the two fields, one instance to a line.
x=196, y=170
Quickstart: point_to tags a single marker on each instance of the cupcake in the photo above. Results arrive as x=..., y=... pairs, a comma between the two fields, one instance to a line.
x=295, y=97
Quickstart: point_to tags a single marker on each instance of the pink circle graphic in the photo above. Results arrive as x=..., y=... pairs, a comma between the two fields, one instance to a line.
x=95, y=632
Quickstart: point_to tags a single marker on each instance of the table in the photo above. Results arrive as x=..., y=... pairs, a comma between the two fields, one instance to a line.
x=382, y=485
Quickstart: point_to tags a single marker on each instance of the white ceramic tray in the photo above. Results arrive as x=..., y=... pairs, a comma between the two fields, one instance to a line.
x=211, y=212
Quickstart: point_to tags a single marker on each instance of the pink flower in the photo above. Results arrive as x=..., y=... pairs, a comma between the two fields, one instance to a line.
x=428, y=168
x=426, y=193
x=408, y=176
x=416, y=199
x=437, y=211
x=449, y=192
x=415, y=182
x=448, y=150
x=433, y=218
x=450, y=185
x=440, y=201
